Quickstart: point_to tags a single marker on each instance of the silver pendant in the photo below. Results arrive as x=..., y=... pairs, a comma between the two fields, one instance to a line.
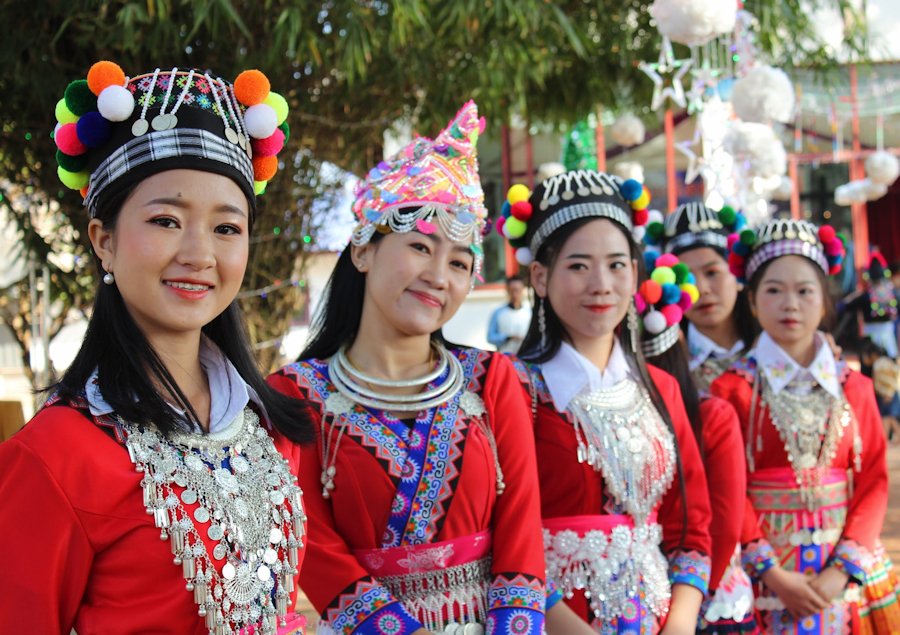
x=139, y=127
x=231, y=135
x=160, y=122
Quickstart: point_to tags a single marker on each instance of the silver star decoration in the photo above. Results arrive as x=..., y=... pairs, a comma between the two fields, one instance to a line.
x=696, y=165
x=704, y=78
x=666, y=75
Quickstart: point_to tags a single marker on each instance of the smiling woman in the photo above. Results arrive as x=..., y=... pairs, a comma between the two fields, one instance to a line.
x=162, y=427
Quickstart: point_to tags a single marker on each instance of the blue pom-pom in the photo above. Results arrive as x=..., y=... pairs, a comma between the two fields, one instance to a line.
x=740, y=222
x=835, y=260
x=506, y=210
x=741, y=249
x=631, y=189
x=650, y=257
x=691, y=279
x=671, y=294
x=93, y=130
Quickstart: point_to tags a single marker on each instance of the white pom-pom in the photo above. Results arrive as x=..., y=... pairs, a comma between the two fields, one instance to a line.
x=629, y=170
x=261, y=121
x=756, y=146
x=655, y=322
x=872, y=190
x=549, y=170
x=56, y=128
x=523, y=256
x=628, y=130
x=763, y=95
x=842, y=195
x=694, y=22
x=655, y=216
x=638, y=233
x=882, y=167
x=783, y=190
x=115, y=103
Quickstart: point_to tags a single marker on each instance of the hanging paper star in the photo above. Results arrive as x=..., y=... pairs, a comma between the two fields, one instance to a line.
x=666, y=75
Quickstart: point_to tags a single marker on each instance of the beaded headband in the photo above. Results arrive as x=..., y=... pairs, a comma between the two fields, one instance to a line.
x=693, y=225
x=428, y=182
x=662, y=300
x=528, y=219
x=113, y=131
x=751, y=249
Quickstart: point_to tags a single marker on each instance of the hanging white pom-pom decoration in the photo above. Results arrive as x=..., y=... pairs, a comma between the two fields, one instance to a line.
x=655, y=216
x=783, y=190
x=629, y=170
x=842, y=195
x=523, y=256
x=638, y=233
x=628, y=130
x=694, y=22
x=655, y=322
x=763, y=95
x=549, y=170
x=261, y=121
x=757, y=148
x=882, y=167
x=872, y=190
x=115, y=103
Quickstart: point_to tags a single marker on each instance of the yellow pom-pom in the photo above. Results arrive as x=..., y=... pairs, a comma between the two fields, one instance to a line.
x=642, y=201
x=63, y=114
x=517, y=192
x=691, y=290
x=251, y=87
x=104, y=74
x=279, y=104
x=264, y=168
x=663, y=275
x=259, y=187
x=73, y=180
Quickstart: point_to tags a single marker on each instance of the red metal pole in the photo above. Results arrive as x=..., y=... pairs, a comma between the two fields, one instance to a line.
x=859, y=219
x=794, y=174
x=509, y=255
x=600, y=141
x=671, y=185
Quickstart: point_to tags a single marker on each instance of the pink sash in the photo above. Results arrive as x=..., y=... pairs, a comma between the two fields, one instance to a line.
x=594, y=522
x=427, y=557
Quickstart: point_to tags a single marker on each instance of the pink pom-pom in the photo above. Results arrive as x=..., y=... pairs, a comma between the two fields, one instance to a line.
x=826, y=234
x=834, y=247
x=639, y=303
x=498, y=224
x=667, y=260
x=673, y=314
x=685, y=302
x=67, y=140
x=270, y=146
x=425, y=227
x=732, y=239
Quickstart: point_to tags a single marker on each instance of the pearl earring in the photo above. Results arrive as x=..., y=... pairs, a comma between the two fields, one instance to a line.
x=109, y=278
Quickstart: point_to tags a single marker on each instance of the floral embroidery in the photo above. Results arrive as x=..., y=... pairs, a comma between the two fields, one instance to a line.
x=368, y=603
x=757, y=558
x=851, y=557
x=690, y=567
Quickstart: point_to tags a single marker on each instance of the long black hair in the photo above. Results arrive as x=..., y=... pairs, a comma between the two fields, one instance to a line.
x=555, y=333
x=674, y=361
x=130, y=372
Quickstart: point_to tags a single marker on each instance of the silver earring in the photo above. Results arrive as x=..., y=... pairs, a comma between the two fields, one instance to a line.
x=109, y=278
x=632, y=324
x=542, y=324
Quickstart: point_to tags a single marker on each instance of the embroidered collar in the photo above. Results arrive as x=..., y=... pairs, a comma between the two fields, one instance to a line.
x=780, y=369
x=229, y=394
x=702, y=347
x=570, y=373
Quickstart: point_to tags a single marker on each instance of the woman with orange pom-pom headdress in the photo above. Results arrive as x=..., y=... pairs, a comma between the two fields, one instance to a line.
x=624, y=501
x=815, y=450
x=156, y=489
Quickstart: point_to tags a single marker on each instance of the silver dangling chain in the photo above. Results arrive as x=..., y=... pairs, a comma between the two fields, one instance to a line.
x=633, y=326
x=542, y=323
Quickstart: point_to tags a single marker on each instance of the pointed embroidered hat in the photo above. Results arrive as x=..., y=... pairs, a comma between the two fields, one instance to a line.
x=428, y=183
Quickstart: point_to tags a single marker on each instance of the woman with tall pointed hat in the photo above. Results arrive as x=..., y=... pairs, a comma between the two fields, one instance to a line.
x=422, y=491
x=155, y=491
x=624, y=502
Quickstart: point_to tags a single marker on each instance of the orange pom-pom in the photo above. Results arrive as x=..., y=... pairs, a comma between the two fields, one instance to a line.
x=83, y=191
x=251, y=87
x=264, y=168
x=104, y=74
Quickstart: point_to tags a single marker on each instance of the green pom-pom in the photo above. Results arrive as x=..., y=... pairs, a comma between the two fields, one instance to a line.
x=286, y=129
x=748, y=237
x=842, y=237
x=517, y=243
x=663, y=275
x=727, y=215
x=69, y=163
x=73, y=180
x=681, y=273
x=656, y=230
x=79, y=98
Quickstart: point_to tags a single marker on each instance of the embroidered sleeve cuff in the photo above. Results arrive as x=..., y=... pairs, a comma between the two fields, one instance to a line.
x=757, y=557
x=689, y=567
x=516, y=605
x=367, y=608
x=850, y=557
x=554, y=595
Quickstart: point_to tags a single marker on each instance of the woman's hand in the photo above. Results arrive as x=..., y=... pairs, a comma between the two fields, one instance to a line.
x=683, y=610
x=561, y=620
x=795, y=591
x=830, y=583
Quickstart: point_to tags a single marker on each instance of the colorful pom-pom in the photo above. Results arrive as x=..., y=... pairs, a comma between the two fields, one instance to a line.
x=104, y=74
x=115, y=103
x=691, y=289
x=516, y=193
x=727, y=216
x=748, y=237
x=834, y=247
x=67, y=140
x=667, y=260
x=73, y=180
x=498, y=224
x=735, y=261
x=631, y=189
x=655, y=216
x=685, y=301
x=522, y=210
x=742, y=248
x=691, y=279
x=506, y=210
x=655, y=322
x=650, y=257
x=732, y=239
x=259, y=187
x=83, y=191
x=640, y=217
x=826, y=234
x=639, y=233
x=642, y=201
x=286, y=129
x=834, y=269
x=651, y=291
x=514, y=228
x=523, y=256
x=270, y=146
x=251, y=88
x=663, y=275
x=260, y=121
x=93, y=129
x=639, y=303
x=79, y=98
x=672, y=313
x=264, y=168
x=279, y=104
x=671, y=294
x=681, y=272
x=656, y=230
x=516, y=243
x=71, y=163
x=63, y=114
